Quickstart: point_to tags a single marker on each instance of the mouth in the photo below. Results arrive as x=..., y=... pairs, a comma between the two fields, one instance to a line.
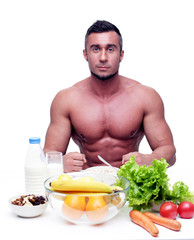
x=103, y=68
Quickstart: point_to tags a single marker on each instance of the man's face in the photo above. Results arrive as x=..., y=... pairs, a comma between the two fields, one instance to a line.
x=103, y=54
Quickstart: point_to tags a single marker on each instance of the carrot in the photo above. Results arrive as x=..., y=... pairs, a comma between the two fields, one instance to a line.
x=144, y=221
x=165, y=222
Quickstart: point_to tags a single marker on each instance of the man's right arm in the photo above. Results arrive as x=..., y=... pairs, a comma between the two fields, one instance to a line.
x=59, y=133
x=59, y=130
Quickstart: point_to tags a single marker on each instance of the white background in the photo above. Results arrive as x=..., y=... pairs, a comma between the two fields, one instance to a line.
x=41, y=43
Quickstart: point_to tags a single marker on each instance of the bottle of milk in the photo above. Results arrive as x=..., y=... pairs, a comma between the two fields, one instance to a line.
x=35, y=168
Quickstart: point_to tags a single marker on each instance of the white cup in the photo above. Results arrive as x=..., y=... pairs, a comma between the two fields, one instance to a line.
x=54, y=163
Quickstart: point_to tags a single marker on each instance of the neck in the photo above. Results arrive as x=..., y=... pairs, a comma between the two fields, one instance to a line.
x=105, y=88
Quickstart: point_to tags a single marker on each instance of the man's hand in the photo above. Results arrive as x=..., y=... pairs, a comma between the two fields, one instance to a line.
x=73, y=162
x=140, y=158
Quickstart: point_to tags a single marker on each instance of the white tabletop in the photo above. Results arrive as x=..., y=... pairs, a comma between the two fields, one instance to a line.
x=51, y=226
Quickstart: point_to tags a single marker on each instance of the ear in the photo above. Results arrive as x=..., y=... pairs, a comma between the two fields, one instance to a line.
x=121, y=55
x=85, y=55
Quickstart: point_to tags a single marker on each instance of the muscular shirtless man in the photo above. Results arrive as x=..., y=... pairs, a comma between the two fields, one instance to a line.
x=107, y=114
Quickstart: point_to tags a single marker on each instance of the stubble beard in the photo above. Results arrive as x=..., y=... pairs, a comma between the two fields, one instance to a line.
x=104, y=78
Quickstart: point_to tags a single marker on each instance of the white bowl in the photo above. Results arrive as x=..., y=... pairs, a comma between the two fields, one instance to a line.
x=102, y=169
x=27, y=211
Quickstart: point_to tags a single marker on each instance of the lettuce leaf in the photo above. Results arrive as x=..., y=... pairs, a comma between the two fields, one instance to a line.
x=180, y=192
x=151, y=184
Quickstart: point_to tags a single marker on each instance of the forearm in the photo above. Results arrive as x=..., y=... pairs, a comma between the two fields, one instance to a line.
x=45, y=150
x=167, y=152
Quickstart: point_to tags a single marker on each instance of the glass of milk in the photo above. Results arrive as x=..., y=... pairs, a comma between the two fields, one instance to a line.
x=54, y=163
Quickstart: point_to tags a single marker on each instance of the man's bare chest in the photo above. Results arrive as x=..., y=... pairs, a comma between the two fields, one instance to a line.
x=93, y=120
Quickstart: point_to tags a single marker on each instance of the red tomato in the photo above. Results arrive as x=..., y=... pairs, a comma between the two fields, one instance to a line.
x=186, y=209
x=169, y=210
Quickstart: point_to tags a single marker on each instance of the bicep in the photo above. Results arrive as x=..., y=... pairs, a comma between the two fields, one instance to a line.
x=59, y=130
x=58, y=136
x=156, y=128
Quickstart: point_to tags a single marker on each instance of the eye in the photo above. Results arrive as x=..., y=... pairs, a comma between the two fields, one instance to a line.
x=95, y=49
x=110, y=49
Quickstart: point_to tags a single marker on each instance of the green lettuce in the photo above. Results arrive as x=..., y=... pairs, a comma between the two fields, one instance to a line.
x=151, y=184
x=180, y=192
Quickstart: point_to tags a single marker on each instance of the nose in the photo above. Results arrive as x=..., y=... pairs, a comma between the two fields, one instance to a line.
x=103, y=56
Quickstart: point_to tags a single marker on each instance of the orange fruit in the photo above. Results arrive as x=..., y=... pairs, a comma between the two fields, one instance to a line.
x=73, y=207
x=96, y=208
x=116, y=199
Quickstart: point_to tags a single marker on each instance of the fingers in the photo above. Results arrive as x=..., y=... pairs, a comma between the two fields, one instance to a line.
x=126, y=157
x=140, y=159
x=73, y=161
x=78, y=163
x=78, y=159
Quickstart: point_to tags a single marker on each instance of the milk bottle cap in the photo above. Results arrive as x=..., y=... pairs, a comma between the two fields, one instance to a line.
x=34, y=140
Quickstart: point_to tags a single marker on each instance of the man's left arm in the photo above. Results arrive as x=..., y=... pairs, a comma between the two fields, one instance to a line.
x=157, y=132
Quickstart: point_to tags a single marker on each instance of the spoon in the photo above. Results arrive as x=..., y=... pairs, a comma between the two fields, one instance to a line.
x=104, y=161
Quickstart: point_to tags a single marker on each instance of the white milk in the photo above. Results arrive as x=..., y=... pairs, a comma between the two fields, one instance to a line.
x=35, y=168
x=54, y=169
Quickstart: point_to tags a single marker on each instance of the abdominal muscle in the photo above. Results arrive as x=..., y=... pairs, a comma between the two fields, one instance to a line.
x=110, y=149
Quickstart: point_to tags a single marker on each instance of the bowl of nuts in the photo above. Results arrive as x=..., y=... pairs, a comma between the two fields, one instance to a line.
x=28, y=205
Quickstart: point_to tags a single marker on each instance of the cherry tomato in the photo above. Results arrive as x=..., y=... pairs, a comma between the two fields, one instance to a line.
x=169, y=210
x=186, y=209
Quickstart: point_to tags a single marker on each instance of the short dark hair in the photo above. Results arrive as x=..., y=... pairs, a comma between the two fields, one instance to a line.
x=103, y=26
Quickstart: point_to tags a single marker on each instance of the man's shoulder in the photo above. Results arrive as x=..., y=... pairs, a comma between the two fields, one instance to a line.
x=65, y=99
x=138, y=87
x=71, y=91
x=146, y=95
x=149, y=97
x=147, y=90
